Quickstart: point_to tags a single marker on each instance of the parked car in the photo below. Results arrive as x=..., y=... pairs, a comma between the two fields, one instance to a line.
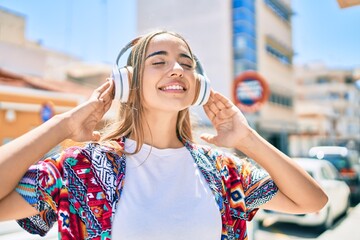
x=337, y=191
x=347, y=163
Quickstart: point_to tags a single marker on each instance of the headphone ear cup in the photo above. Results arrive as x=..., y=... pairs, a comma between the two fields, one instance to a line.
x=121, y=78
x=204, y=91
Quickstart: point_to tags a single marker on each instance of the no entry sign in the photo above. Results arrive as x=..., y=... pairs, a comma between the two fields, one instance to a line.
x=250, y=91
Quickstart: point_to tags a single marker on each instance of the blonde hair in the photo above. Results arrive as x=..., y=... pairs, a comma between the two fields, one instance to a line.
x=130, y=115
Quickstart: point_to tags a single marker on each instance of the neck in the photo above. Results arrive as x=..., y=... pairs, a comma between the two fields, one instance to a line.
x=160, y=130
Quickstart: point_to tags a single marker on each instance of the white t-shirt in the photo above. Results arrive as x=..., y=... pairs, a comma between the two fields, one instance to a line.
x=165, y=196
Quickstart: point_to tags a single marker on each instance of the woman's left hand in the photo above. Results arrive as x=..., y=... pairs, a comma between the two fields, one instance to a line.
x=230, y=124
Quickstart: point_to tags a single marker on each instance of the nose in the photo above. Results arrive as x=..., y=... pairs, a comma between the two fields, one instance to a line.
x=177, y=70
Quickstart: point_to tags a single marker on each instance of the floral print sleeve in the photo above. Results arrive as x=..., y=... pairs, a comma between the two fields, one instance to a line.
x=256, y=184
x=41, y=187
x=78, y=189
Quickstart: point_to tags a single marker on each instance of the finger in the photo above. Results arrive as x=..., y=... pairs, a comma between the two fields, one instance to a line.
x=223, y=100
x=108, y=93
x=227, y=113
x=98, y=91
x=209, y=138
x=212, y=92
x=107, y=106
x=213, y=108
x=95, y=136
x=211, y=98
x=219, y=104
x=209, y=113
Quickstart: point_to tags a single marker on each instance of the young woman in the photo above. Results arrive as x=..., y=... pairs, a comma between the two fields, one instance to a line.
x=146, y=179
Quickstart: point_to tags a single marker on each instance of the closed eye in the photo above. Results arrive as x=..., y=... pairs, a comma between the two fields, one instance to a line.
x=158, y=63
x=187, y=65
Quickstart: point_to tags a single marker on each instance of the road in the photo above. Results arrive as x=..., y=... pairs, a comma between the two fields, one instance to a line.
x=347, y=227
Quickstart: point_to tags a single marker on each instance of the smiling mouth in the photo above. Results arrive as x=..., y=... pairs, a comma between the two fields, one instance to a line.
x=173, y=88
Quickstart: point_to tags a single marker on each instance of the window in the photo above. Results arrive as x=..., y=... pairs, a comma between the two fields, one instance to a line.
x=242, y=65
x=325, y=174
x=243, y=27
x=349, y=80
x=280, y=99
x=243, y=14
x=247, y=54
x=322, y=80
x=278, y=55
x=243, y=41
x=244, y=35
x=334, y=95
x=279, y=9
x=248, y=4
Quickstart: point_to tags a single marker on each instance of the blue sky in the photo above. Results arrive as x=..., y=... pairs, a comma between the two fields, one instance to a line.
x=95, y=30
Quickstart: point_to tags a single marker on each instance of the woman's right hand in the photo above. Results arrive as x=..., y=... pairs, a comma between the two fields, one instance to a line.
x=82, y=120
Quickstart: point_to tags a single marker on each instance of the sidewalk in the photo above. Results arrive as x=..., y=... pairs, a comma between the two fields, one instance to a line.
x=348, y=229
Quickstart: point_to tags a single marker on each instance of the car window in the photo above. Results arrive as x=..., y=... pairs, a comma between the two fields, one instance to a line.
x=325, y=173
x=332, y=172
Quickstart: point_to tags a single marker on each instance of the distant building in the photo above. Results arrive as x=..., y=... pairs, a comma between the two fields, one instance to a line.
x=22, y=56
x=36, y=83
x=26, y=102
x=327, y=106
x=231, y=36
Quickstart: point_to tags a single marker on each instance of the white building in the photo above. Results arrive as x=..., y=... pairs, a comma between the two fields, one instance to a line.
x=232, y=36
x=327, y=105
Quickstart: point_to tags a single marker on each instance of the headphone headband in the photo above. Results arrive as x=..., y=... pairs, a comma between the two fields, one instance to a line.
x=124, y=49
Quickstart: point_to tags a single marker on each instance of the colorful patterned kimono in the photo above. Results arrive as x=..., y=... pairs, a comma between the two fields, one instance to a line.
x=80, y=188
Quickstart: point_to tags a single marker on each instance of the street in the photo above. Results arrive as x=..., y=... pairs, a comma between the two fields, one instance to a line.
x=346, y=227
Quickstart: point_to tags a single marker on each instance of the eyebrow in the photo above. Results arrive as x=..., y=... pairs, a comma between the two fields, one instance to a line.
x=166, y=53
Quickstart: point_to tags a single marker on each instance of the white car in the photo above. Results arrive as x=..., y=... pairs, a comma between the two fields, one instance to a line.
x=337, y=190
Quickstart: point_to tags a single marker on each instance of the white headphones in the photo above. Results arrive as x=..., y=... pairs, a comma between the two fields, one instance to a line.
x=121, y=78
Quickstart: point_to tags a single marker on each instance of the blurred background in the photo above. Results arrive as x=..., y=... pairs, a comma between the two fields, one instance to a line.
x=53, y=53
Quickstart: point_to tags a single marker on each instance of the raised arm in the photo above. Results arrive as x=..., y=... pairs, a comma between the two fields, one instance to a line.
x=298, y=192
x=77, y=124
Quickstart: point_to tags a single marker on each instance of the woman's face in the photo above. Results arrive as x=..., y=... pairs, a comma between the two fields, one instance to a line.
x=169, y=77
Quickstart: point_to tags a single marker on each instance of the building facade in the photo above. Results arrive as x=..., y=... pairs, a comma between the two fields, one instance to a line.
x=22, y=109
x=277, y=119
x=22, y=56
x=26, y=57
x=327, y=106
x=230, y=37
x=33, y=80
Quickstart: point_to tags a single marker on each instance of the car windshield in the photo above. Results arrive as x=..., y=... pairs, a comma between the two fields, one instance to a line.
x=338, y=161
